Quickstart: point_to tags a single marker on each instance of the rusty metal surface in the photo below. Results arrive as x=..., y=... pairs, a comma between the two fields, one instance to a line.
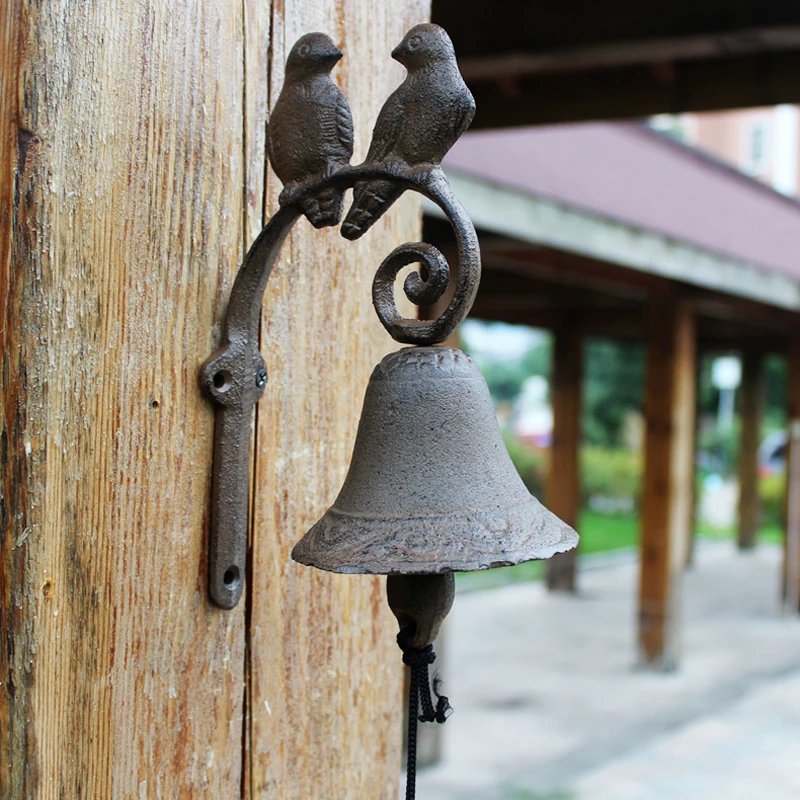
x=417, y=125
x=311, y=128
x=310, y=145
x=431, y=487
x=420, y=604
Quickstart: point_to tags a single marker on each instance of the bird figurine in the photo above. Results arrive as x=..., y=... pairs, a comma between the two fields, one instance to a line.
x=311, y=128
x=420, y=121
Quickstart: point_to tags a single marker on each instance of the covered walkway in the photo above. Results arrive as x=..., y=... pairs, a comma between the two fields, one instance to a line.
x=550, y=706
x=614, y=230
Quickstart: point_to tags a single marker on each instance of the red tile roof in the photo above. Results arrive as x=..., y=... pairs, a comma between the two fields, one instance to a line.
x=629, y=173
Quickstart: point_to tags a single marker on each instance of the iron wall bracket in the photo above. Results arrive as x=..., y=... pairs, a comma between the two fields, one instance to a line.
x=235, y=376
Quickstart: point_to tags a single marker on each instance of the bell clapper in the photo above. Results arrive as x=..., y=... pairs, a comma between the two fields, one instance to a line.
x=420, y=603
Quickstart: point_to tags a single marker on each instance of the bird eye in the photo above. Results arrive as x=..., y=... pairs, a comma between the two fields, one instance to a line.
x=414, y=43
x=304, y=50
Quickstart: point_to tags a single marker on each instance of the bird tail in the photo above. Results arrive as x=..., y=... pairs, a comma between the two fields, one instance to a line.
x=371, y=200
x=324, y=208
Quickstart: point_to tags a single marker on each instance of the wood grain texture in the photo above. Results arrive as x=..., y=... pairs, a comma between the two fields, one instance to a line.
x=118, y=679
x=790, y=569
x=132, y=177
x=325, y=670
x=691, y=544
x=667, y=483
x=751, y=398
x=563, y=477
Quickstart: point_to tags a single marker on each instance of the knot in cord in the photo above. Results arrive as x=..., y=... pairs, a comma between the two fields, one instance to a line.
x=419, y=694
x=417, y=658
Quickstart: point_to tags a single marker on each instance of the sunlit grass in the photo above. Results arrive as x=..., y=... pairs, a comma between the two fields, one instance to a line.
x=599, y=533
x=769, y=533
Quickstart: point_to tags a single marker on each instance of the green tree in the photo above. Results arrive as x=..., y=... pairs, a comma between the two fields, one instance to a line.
x=613, y=387
x=506, y=376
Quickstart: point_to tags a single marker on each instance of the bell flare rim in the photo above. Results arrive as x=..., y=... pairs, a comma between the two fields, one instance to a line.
x=368, y=545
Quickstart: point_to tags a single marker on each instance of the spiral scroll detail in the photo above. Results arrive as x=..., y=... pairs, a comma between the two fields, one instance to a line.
x=430, y=285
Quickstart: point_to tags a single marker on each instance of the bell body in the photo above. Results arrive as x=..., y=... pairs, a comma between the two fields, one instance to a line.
x=431, y=487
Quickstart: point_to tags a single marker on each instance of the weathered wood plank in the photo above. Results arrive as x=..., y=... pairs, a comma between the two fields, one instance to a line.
x=691, y=544
x=325, y=671
x=14, y=705
x=563, y=477
x=751, y=409
x=666, y=489
x=118, y=678
x=257, y=31
x=790, y=583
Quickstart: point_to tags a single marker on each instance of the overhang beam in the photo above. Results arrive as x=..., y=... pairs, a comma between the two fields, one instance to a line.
x=722, y=44
x=528, y=218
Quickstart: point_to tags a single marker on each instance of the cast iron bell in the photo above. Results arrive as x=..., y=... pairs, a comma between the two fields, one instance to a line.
x=431, y=487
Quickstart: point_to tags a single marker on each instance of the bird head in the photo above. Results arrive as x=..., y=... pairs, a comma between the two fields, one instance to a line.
x=312, y=54
x=422, y=45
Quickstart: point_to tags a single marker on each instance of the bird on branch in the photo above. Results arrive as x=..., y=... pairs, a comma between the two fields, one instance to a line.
x=311, y=128
x=419, y=122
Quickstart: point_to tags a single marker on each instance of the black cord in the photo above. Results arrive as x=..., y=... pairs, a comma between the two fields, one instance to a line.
x=419, y=693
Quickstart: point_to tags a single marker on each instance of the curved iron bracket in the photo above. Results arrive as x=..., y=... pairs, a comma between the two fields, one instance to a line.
x=235, y=376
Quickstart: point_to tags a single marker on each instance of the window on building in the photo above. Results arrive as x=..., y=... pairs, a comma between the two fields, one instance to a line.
x=757, y=148
x=674, y=125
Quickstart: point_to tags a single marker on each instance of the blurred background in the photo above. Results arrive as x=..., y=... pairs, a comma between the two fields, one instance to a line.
x=634, y=178
x=517, y=363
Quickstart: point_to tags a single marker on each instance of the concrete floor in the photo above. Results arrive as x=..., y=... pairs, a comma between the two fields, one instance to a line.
x=549, y=705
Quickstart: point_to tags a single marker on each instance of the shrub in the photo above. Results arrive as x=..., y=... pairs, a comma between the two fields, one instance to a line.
x=718, y=449
x=771, y=489
x=531, y=463
x=611, y=479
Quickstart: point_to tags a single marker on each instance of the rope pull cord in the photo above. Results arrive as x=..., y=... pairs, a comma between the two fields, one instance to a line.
x=419, y=694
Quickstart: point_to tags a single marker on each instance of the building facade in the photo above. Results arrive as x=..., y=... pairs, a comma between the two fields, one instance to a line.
x=762, y=142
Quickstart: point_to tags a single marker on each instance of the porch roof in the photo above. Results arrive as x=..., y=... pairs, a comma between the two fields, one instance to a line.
x=624, y=194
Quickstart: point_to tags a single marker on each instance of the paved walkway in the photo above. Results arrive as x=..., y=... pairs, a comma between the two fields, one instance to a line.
x=549, y=705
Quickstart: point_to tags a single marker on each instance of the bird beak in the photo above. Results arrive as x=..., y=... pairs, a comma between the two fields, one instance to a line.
x=330, y=57
x=397, y=53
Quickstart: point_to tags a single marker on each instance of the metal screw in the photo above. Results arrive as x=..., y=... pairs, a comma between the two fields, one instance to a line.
x=261, y=378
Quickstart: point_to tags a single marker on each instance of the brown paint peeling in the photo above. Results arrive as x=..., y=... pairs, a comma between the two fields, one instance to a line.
x=24, y=140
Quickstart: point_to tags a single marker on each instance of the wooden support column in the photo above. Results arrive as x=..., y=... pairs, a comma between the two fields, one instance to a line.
x=791, y=550
x=751, y=410
x=133, y=176
x=667, y=490
x=563, y=480
x=691, y=543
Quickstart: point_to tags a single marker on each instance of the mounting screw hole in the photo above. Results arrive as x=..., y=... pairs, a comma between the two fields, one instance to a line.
x=222, y=380
x=231, y=577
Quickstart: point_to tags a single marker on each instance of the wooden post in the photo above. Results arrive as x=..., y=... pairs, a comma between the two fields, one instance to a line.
x=691, y=545
x=132, y=177
x=791, y=550
x=751, y=409
x=563, y=479
x=667, y=491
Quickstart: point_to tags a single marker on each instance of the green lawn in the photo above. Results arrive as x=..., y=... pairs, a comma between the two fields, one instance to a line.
x=599, y=533
x=771, y=533
x=603, y=532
